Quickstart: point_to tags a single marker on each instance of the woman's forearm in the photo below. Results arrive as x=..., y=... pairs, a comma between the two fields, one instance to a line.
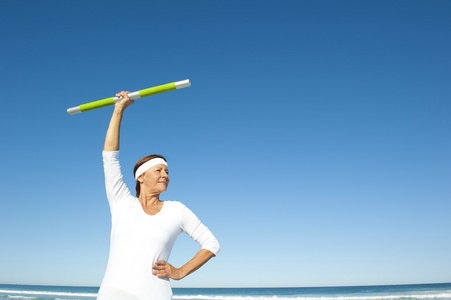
x=113, y=134
x=165, y=269
x=196, y=262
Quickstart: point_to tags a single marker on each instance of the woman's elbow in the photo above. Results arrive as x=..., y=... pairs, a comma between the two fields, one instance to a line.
x=214, y=247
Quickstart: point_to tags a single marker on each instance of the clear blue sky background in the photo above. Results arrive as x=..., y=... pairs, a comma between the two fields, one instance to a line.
x=314, y=141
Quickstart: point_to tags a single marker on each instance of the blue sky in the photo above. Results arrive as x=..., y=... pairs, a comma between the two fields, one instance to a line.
x=314, y=141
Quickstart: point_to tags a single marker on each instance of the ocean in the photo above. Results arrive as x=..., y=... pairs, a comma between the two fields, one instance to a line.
x=441, y=291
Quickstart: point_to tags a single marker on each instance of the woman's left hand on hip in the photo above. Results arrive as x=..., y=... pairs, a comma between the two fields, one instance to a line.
x=164, y=269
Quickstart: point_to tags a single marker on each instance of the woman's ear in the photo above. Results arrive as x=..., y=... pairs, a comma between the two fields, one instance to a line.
x=141, y=179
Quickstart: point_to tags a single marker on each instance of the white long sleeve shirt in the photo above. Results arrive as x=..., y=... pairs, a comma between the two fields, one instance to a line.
x=139, y=239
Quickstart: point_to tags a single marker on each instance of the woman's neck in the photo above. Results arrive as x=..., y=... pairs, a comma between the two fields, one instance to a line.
x=149, y=199
x=151, y=203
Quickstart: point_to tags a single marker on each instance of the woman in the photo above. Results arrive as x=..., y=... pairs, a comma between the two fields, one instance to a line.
x=144, y=228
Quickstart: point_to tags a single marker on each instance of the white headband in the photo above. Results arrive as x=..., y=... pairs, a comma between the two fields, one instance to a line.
x=149, y=164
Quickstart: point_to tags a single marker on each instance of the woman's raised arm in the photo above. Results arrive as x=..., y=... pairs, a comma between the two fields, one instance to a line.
x=113, y=133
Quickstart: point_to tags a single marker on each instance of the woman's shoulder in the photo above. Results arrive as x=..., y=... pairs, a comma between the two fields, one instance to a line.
x=175, y=207
x=174, y=204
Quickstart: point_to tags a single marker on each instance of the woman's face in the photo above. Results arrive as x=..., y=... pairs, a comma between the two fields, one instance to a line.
x=156, y=179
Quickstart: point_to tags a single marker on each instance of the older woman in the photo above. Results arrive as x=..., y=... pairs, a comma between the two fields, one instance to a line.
x=144, y=228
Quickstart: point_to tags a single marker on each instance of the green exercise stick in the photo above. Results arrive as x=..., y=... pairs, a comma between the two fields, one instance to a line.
x=135, y=95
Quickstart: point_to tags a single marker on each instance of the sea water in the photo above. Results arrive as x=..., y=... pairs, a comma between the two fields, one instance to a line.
x=440, y=291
